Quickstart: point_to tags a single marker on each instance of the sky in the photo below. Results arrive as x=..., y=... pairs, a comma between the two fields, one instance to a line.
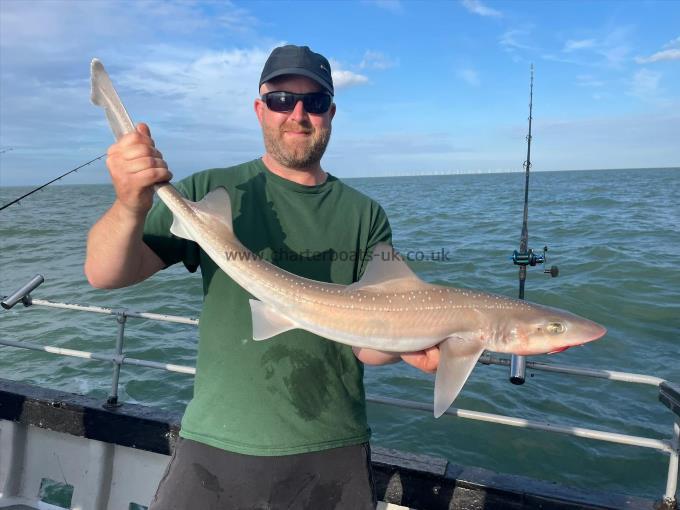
x=421, y=86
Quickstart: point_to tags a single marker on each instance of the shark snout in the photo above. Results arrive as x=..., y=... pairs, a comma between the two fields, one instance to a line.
x=583, y=331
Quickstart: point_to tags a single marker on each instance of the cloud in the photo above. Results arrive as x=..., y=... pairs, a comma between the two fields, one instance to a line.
x=197, y=99
x=672, y=52
x=512, y=39
x=57, y=25
x=470, y=76
x=192, y=79
x=643, y=141
x=578, y=45
x=198, y=104
x=614, y=47
x=477, y=7
x=345, y=79
x=237, y=19
x=515, y=41
x=376, y=60
x=610, y=48
x=645, y=84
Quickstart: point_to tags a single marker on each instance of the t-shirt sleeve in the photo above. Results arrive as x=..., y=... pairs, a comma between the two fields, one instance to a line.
x=380, y=232
x=170, y=248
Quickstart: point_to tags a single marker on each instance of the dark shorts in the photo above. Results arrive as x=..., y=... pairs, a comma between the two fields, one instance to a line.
x=207, y=478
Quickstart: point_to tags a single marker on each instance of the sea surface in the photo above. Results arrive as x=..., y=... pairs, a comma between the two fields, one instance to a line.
x=614, y=234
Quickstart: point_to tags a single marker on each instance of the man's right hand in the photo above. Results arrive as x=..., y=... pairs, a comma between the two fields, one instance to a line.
x=135, y=166
x=116, y=253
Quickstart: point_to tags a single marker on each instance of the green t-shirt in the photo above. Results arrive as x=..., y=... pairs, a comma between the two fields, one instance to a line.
x=296, y=392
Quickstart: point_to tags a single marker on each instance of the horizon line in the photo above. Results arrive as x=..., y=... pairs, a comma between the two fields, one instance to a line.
x=411, y=174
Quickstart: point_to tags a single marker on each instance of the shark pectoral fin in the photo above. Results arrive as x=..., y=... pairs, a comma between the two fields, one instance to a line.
x=387, y=272
x=214, y=207
x=267, y=322
x=457, y=357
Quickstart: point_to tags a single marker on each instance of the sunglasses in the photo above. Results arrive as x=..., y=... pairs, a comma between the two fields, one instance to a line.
x=314, y=102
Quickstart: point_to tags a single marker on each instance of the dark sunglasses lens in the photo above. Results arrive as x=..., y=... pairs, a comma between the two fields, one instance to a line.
x=317, y=103
x=280, y=101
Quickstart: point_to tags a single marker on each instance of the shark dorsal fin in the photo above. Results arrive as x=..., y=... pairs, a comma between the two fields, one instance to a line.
x=387, y=271
x=215, y=206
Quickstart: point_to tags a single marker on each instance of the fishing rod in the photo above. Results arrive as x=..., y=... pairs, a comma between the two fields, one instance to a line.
x=526, y=256
x=48, y=183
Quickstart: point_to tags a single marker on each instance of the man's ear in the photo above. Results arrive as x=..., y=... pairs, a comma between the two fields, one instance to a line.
x=259, y=109
x=332, y=111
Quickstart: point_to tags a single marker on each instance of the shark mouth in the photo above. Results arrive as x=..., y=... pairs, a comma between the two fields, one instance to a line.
x=561, y=349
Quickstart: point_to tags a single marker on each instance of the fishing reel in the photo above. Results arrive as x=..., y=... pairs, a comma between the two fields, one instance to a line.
x=530, y=258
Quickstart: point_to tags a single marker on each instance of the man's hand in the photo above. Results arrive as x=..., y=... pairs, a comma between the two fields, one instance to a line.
x=116, y=254
x=427, y=360
x=135, y=166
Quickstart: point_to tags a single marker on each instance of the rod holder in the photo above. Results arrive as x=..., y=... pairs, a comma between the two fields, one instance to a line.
x=518, y=366
x=23, y=293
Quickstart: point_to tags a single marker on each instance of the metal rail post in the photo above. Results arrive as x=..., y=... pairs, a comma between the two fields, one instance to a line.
x=112, y=401
x=670, y=500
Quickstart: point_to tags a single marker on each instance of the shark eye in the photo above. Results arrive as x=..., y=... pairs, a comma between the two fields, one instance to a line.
x=556, y=328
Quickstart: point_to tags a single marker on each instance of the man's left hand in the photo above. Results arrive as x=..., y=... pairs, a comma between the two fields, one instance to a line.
x=427, y=360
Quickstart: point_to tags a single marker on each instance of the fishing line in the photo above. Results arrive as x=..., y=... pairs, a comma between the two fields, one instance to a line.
x=48, y=183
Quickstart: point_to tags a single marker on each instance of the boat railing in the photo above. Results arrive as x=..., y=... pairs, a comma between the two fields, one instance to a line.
x=669, y=393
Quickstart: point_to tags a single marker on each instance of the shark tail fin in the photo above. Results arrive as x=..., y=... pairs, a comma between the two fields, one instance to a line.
x=104, y=94
x=214, y=208
x=458, y=355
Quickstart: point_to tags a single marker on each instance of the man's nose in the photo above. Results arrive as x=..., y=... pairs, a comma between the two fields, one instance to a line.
x=299, y=113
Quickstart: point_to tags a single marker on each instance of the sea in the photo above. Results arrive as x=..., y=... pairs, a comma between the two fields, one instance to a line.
x=614, y=235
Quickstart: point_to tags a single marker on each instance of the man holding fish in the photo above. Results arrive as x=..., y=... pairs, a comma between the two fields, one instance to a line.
x=282, y=424
x=276, y=424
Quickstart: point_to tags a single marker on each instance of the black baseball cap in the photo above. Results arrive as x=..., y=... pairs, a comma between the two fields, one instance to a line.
x=299, y=60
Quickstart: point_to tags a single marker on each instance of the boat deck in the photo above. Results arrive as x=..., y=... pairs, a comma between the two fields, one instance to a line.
x=114, y=458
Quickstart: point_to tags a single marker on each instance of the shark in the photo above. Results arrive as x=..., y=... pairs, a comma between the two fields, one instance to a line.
x=390, y=309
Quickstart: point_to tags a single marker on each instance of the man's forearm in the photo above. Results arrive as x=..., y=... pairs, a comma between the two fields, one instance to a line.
x=116, y=255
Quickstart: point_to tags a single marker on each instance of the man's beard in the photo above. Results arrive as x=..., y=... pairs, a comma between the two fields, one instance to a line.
x=292, y=153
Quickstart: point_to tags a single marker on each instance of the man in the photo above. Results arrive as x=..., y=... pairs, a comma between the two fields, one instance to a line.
x=281, y=423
